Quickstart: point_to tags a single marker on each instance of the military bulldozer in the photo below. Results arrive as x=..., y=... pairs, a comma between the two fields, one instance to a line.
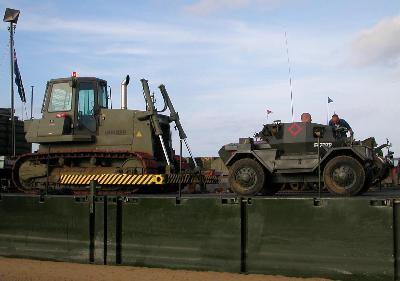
x=82, y=139
x=303, y=153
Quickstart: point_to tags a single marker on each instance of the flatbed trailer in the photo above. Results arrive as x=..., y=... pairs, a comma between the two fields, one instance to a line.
x=300, y=235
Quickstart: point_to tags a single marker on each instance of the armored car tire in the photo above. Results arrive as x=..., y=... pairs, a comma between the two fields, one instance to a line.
x=246, y=177
x=344, y=176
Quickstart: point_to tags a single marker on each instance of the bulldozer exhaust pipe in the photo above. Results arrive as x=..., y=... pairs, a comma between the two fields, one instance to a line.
x=124, y=92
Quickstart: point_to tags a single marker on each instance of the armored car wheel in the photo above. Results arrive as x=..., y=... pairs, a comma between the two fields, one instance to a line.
x=246, y=177
x=344, y=175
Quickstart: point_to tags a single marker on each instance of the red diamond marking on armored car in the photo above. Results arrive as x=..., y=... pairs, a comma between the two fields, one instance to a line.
x=295, y=129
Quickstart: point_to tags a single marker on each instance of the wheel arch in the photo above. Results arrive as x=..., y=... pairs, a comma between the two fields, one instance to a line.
x=248, y=154
x=340, y=152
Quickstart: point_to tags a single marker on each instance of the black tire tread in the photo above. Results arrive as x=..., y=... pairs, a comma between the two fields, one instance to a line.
x=259, y=171
x=360, y=181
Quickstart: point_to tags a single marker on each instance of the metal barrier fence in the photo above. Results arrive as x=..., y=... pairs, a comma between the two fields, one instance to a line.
x=345, y=239
x=339, y=238
x=54, y=228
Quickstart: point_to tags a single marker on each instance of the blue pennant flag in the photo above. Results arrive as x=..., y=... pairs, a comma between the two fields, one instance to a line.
x=329, y=100
x=18, y=79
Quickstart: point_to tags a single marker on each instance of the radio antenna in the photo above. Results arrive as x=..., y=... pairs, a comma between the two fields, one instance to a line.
x=290, y=78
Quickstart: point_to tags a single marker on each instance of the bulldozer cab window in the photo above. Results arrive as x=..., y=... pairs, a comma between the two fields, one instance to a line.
x=60, y=97
x=86, y=100
x=103, y=96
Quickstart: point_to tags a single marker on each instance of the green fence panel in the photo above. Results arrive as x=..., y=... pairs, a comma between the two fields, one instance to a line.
x=193, y=233
x=105, y=230
x=345, y=239
x=396, y=226
x=55, y=228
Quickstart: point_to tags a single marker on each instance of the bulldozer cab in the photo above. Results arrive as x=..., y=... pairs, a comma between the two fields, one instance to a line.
x=70, y=111
x=71, y=105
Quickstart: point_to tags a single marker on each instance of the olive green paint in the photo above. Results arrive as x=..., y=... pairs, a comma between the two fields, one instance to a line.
x=336, y=238
x=345, y=239
x=199, y=234
x=55, y=229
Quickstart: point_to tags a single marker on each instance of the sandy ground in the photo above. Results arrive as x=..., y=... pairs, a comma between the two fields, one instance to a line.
x=30, y=270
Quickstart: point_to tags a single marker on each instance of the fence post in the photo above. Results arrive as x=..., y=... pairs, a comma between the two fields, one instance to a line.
x=92, y=209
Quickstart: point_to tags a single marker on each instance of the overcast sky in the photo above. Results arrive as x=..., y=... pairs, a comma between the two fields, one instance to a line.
x=223, y=62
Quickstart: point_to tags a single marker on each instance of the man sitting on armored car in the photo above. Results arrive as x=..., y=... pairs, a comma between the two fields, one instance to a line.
x=338, y=123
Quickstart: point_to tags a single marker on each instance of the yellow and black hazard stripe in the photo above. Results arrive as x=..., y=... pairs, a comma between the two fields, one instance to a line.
x=191, y=178
x=176, y=178
x=112, y=179
x=210, y=179
x=126, y=179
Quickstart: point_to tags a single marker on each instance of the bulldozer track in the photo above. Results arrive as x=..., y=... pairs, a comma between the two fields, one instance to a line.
x=148, y=163
x=74, y=182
